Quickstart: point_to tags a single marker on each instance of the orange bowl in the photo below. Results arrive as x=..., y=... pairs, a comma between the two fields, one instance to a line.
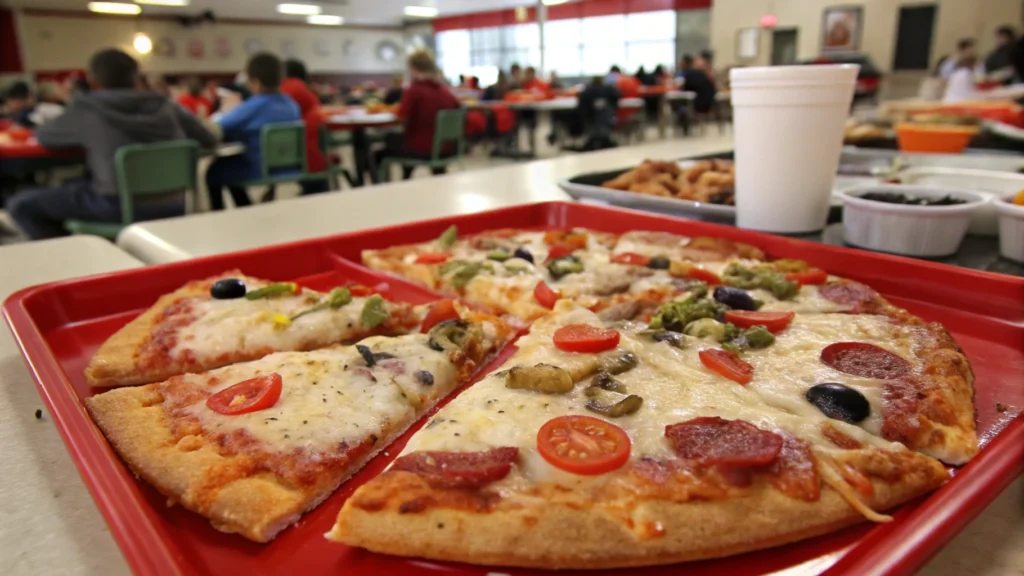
x=940, y=138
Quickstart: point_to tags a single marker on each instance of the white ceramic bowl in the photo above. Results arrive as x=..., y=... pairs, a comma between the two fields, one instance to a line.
x=1011, y=229
x=927, y=231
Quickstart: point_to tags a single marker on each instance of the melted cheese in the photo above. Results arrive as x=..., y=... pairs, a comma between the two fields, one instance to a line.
x=240, y=326
x=675, y=387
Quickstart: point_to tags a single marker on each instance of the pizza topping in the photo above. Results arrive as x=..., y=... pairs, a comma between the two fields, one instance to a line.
x=674, y=339
x=370, y=357
x=711, y=329
x=374, y=312
x=622, y=362
x=808, y=277
x=659, y=263
x=466, y=272
x=544, y=295
x=606, y=381
x=337, y=298
x=585, y=338
x=754, y=338
x=227, y=289
x=432, y=257
x=447, y=336
x=736, y=299
x=764, y=278
x=523, y=254
x=574, y=240
x=772, y=321
x=611, y=403
x=539, y=378
x=795, y=471
x=463, y=470
x=866, y=360
x=675, y=316
x=848, y=293
x=275, y=289
x=839, y=402
x=499, y=255
x=631, y=258
x=424, y=377
x=686, y=270
x=564, y=266
x=716, y=441
x=727, y=364
x=439, y=311
x=247, y=396
x=583, y=445
x=447, y=238
x=559, y=251
x=830, y=476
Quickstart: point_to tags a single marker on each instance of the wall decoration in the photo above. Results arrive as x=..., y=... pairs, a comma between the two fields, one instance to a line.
x=165, y=48
x=222, y=47
x=841, y=28
x=387, y=51
x=322, y=47
x=252, y=46
x=348, y=48
x=196, y=48
x=748, y=42
x=289, y=49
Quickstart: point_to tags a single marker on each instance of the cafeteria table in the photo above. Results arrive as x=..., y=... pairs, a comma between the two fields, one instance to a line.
x=50, y=524
x=358, y=123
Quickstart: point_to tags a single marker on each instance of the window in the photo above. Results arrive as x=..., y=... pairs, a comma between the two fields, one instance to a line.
x=650, y=39
x=563, y=47
x=453, y=52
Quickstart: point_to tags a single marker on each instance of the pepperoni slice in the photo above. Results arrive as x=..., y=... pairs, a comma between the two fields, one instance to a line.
x=848, y=293
x=459, y=469
x=713, y=440
x=866, y=360
x=795, y=471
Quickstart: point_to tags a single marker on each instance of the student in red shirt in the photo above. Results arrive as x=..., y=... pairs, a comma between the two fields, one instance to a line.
x=421, y=102
x=295, y=86
x=531, y=83
x=193, y=99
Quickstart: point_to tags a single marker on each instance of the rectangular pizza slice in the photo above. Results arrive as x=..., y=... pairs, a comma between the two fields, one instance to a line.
x=232, y=318
x=254, y=445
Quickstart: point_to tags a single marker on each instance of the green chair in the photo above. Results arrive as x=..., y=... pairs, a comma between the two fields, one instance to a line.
x=449, y=127
x=283, y=148
x=145, y=170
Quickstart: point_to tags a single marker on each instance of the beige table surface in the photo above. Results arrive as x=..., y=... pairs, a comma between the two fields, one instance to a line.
x=48, y=521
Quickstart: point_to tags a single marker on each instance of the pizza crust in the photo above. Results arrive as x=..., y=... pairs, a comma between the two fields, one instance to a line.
x=550, y=535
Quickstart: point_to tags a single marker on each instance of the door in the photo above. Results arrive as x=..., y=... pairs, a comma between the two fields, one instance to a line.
x=784, y=46
x=914, y=38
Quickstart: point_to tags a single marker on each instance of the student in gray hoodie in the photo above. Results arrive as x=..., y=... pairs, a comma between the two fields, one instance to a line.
x=113, y=114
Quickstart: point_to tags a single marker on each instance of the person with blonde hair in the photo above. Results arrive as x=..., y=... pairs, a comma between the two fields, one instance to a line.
x=421, y=101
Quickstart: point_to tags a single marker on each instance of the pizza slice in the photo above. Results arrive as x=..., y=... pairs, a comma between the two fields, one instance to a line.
x=252, y=446
x=609, y=445
x=232, y=318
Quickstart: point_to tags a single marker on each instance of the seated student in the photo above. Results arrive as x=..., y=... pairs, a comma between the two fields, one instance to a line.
x=21, y=108
x=421, y=102
x=598, y=107
x=394, y=94
x=297, y=88
x=113, y=114
x=194, y=100
x=267, y=105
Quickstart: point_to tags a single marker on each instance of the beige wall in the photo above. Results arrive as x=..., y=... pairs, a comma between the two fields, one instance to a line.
x=59, y=43
x=955, y=19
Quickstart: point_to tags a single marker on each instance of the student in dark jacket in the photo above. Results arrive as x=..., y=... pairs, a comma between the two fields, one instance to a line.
x=113, y=114
x=421, y=102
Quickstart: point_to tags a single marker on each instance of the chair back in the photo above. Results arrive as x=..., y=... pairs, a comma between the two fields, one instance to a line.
x=283, y=147
x=450, y=126
x=151, y=169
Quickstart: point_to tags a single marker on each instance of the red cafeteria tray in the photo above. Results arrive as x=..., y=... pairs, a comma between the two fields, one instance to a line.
x=60, y=325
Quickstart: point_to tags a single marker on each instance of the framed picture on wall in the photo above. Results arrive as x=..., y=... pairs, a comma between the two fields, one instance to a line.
x=841, y=28
x=748, y=42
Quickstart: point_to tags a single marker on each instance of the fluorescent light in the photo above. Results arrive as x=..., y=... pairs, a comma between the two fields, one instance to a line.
x=421, y=11
x=142, y=43
x=114, y=8
x=300, y=9
x=164, y=2
x=554, y=2
x=325, y=20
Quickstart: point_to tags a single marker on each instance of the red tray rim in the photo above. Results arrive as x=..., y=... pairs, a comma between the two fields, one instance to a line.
x=919, y=535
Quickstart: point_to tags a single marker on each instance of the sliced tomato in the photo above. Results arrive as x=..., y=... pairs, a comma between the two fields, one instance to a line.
x=585, y=338
x=360, y=290
x=247, y=396
x=631, y=258
x=545, y=296
x=703, y=275
x=583, y=445
x=432, y=257
x=773, y=321
x=439, y=312
x=727, y=364
x=805, y=277
x=559, y=250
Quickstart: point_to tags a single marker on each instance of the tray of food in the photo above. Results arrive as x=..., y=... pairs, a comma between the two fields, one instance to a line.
x=459, y=395
x=701, y=188
x=971, y=159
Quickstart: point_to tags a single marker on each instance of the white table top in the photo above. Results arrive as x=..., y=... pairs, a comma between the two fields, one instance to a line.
x=324, y=214
x=50, y=524
x=350, y=118
x=566, y=103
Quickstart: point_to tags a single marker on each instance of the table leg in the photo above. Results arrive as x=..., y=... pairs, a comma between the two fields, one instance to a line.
x=361, y=155
x=663, y=115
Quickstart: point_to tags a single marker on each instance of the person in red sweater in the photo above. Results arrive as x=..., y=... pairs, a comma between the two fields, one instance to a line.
x=193, y=99
x=531, y=83
x=421, y=102
x=295, y=86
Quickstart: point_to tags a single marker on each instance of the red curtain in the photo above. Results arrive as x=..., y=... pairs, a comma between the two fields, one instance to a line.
x=10, y=55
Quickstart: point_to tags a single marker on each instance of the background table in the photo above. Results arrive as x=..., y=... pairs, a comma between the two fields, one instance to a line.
x=49, y=524
x=358, y=124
